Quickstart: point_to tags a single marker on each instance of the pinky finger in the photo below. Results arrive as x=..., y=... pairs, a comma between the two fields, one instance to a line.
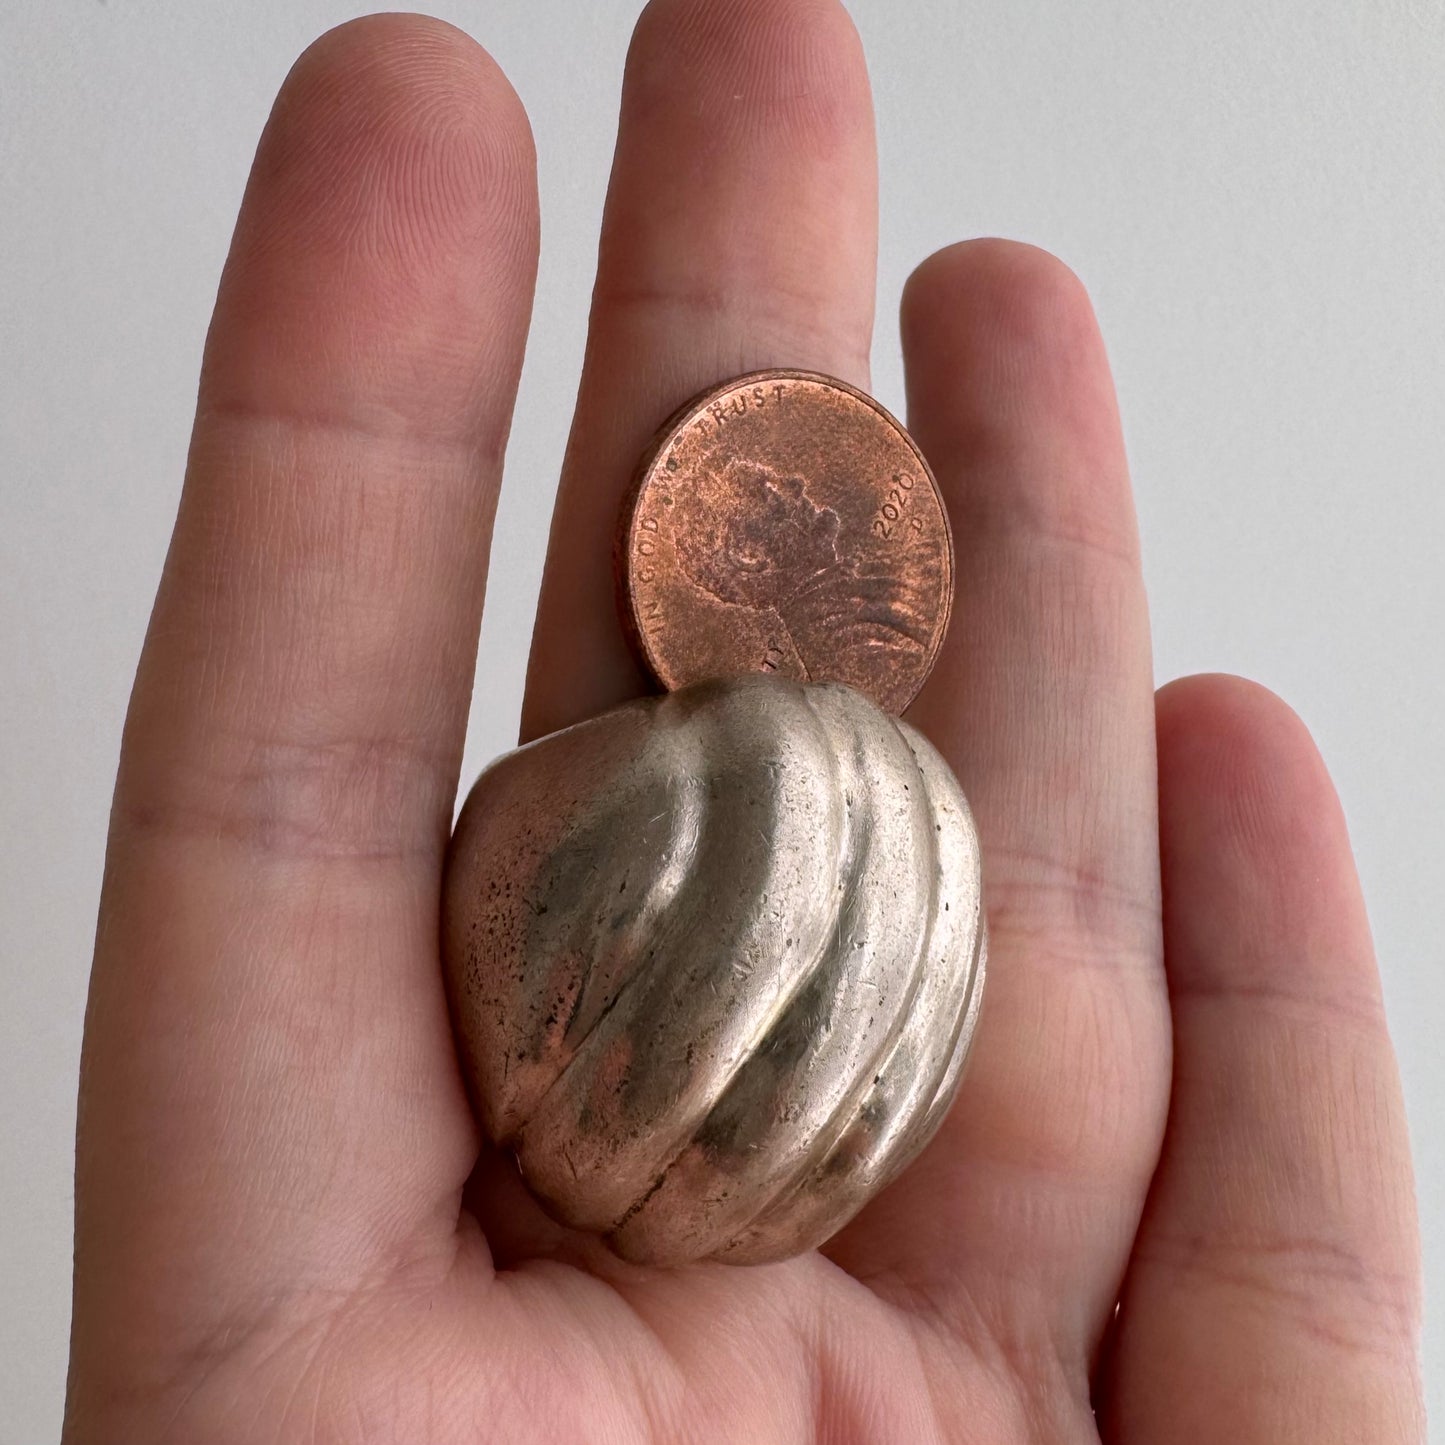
x=1274, y=1290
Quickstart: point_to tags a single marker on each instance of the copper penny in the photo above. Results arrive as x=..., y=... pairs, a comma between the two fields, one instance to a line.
x=784, y=522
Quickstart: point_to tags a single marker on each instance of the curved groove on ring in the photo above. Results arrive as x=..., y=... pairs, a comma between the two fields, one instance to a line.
x=867, y=1156
x=622, y=955
x=912, y=1090
x=794, y=1096
x=655, y=1067
x=583, y=943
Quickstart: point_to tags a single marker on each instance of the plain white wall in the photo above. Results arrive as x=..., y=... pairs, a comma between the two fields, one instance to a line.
x=1254, y=193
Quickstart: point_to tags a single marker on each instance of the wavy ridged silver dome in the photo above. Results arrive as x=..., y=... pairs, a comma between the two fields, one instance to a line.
x=715, y=961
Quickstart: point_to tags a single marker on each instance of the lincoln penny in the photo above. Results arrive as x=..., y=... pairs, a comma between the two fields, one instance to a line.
x=784, y=522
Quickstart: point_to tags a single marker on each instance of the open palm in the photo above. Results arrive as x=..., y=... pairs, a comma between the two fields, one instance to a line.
x=284, y=1233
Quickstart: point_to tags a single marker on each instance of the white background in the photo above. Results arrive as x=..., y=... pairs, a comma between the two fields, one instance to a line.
x=1255, y=195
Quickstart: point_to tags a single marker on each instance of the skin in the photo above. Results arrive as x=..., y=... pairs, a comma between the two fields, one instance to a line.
x=1183, y=1097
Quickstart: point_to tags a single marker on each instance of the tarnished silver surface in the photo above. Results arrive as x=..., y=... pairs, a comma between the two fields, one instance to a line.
x=715, y=961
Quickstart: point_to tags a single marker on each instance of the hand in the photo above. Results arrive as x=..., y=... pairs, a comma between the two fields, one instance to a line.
x=277, y=1239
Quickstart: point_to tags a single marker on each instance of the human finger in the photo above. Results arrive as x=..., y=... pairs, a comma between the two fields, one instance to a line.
x=740, y=232
x=1274, y=1290
x=269, y=1097
x=1015, y=1223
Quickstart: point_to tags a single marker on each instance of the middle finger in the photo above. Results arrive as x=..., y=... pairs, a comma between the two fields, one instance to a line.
x=740, y=232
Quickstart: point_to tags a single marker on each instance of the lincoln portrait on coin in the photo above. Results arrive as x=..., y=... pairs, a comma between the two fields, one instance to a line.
x=773, y=548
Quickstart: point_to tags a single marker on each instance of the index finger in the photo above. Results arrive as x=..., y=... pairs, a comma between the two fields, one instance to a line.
x=269, y=1096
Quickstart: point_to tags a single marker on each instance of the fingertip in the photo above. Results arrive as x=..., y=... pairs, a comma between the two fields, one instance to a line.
x=996, y=331
x=1011, y=397
x=1232, y=710
x=1235, y=757
x=1026, y=295
x=1251, y=823
x=407, y=123
x=746, y=178
x=793, y=67
x=391, y=212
